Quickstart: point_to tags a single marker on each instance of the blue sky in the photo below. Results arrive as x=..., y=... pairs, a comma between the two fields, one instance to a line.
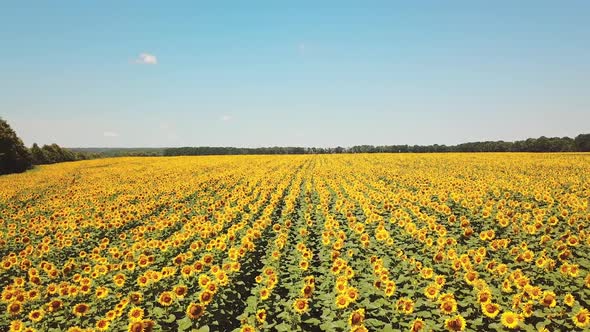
x=264, y=73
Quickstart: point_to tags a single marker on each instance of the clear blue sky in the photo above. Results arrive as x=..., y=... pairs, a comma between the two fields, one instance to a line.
x=263, y=73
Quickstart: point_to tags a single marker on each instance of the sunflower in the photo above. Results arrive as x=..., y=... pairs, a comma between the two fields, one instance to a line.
x=456, y=323
x=490, y=309
x=448, y=306
x=356, y=317
x=306, y=291
x=569, y=300
x=222, y=278
x=142, y=281
x=166, y=298
x=207, y=259
x=510, y=319
x=303, y=265
x=582, y=318
x=342, y=301
x=427, y=273
x=81, y=309
x=390, y=288
x=360, y=328
x=405, y=305
x=418, y=325
x=14, y=308
x=135, y=327
x=101, y=292
x=527, y=309
x=484, y=296
x=135, y=297
x=549, y=299
x=352, y=294
x=261, y=316
x=16, y=326
x=102, y=325
x=247, y=328
x=212, y=287
x=195, y=311
x=301, y=306
x=431, y=291
x=506, y=286
x=264, y=293
x=135, y=314
x=205, y=297
x=204, y=280
x=148, y=325
x=470, y=277
x=36, y=315
x=180, y=291
x=54, y=305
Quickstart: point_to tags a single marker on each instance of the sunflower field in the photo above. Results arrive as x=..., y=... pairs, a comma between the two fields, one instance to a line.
x=379, y=242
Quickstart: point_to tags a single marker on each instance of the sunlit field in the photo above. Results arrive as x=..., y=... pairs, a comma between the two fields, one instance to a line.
x=373, y=242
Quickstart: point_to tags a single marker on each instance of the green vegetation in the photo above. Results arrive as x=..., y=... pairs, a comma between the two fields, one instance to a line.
x=542, y=144
x=14, y=156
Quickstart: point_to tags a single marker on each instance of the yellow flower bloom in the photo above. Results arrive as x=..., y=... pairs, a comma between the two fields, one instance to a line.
x=456, y=323
x=356, y=317
x=582, y=318
x=510, y=319
x=301, y=306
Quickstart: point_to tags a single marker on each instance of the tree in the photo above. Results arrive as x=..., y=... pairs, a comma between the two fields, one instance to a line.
x=582, y=142
x=14, y=156
x=39, y=155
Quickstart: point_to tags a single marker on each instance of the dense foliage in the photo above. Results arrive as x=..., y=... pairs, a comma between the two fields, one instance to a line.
x=542, y=144
x=51, y=154
x=14, y=156
x=386, y=242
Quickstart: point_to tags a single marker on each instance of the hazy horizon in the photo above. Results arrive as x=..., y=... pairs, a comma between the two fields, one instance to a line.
x=137, y=74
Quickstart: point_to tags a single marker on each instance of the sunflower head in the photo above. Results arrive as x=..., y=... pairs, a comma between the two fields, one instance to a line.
x=510, y=319
x=582, y=318
x=261, y=315
x=356, y=317
x=456, y=323
x=301, y=305
x=195, y=311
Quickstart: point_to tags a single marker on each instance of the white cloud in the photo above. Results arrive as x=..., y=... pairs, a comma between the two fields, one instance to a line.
x=301, y=48
x=146, y=59
x=110, y=134
x=226, y=118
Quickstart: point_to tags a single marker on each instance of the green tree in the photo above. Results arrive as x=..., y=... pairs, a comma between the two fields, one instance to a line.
x=582, y=142
x=14, y=156
x=39, y=156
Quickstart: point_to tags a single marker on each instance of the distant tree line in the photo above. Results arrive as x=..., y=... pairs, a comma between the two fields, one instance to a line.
x=16, y=158
x=542, y=144
x=51, y=154
x=121, y=152
x=208, y=150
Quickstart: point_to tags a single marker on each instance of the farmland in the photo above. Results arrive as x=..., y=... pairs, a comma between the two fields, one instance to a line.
x=305, y=242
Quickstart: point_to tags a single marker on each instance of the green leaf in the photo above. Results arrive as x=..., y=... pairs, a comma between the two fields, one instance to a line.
x=283, y=327
x=373, y=323
x=158, y=312
x=313, y=321
x=184, y=324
